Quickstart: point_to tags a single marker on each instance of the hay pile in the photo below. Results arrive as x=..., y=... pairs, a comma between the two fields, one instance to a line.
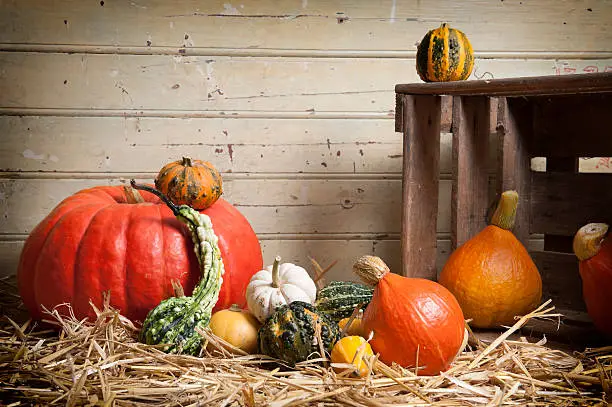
x=101, y=363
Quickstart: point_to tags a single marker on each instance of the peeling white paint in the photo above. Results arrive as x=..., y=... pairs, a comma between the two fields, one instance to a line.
x=229, y=9
x=393, y=10
x=32, y=155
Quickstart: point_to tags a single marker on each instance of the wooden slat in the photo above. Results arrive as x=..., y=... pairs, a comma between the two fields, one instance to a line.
x=144, y=145
x=560, y=279
x=523, y=86
x=470, y=187
x=572, y=25
x=572, y=126
x=562, y=202
x=514, y=118
x=421, y=120
x=220, y=84
x=344, y=207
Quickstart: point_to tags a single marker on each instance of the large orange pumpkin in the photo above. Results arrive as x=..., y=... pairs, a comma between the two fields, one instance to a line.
x=593, y=247
x=103, y=238
x=492, y=274
x=415, y=321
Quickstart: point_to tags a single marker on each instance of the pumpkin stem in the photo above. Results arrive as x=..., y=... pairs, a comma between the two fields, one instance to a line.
x=587, y=240
x=371, y=269
x=164, y=198
x=275, y=276
x=505, y=213
x=132, y=195
x=186, y=162
x=235, y=308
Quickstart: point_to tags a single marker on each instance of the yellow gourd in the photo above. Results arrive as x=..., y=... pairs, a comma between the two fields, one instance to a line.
x=355, y=329
x=236, y=326
x=351, y=350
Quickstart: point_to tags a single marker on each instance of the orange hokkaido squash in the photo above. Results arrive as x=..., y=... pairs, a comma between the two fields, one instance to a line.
x=492, y=274
x=415, y=322
x=190, y=182
x=593, y=247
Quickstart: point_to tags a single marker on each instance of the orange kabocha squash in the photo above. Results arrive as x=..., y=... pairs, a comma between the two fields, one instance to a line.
x=594, y=250
x=492, y=274
x=414, y=321
x=190, y=182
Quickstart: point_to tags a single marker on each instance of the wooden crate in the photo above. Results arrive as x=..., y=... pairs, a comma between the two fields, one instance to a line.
x=561, y=118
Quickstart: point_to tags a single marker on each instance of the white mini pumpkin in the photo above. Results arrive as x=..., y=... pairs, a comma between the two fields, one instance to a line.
x=277, y=285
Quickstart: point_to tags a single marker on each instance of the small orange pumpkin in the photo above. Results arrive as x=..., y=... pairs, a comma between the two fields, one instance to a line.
x=492, y=275
x=352, y=350
x=594, y=251
x=190, y=182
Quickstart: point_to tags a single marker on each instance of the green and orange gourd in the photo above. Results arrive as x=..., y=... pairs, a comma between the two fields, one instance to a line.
x=444, y=54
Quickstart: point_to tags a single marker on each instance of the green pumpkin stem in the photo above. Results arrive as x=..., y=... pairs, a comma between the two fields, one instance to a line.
x=505, y=213
x=587, y=240
x=164, y=198
x=275, y=276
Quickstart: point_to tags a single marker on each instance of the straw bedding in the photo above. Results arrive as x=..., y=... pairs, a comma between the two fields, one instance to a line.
x=101, y=363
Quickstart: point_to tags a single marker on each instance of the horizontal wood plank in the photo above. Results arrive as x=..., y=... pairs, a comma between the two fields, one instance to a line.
x=275, y=206
x=95, y=144
x=560, y=279
x=561, y=203
x=222, y=84
x=384, y=25
x=572, y=126
x=521, y=86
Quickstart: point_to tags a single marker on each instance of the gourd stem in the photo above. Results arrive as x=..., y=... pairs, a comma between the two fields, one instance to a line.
x=275, y=276
x=186, y=162
x=164, y=198
x=505, y=213
x=371, y=269
x=235, y=308
x=587, y=240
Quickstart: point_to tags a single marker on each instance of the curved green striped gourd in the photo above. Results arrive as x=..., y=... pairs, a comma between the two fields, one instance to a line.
x=339, y=298
x=175, y=320
x=445, y=54
x=289, y=334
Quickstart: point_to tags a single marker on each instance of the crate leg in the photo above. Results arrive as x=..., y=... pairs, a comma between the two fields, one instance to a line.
x=470, y=188
x=420, y=119
x=515, y=130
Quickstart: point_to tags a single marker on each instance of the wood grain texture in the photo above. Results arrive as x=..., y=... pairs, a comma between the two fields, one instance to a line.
x=514, y=162
x=420, y=180
x=319, y=24
x=561, y=203
x=560, y=279
x=343, y=207
x=572, y=126
x=270, y=146
x=223, y=84
x=471, y=163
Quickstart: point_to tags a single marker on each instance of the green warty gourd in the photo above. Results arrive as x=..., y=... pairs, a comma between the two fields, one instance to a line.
x=175, y=320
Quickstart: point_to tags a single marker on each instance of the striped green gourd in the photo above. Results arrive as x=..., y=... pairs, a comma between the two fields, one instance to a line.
x=175, y=320
x=339, y=298
x=444, y=54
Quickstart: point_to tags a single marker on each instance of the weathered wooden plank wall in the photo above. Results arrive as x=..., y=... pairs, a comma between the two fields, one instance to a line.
x=292, y=100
